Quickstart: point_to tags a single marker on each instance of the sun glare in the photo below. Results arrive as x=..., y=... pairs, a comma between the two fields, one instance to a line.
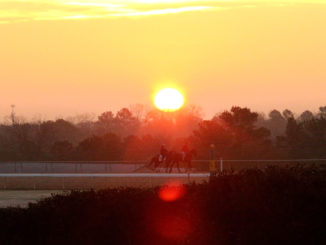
x=171, y=191
x=168, y=99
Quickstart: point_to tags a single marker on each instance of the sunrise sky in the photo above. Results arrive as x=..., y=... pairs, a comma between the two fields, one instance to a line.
x=61, y=58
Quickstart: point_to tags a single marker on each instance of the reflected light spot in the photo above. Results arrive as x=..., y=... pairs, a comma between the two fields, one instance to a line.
x=171, y=192
x=174, y=227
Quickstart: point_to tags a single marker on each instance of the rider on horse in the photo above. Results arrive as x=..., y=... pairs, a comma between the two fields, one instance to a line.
x=184, y=151
x=163, y=153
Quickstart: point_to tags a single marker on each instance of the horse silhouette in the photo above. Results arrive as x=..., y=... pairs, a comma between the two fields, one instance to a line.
x=172, y=159
x=156, y=162
x=175, y=158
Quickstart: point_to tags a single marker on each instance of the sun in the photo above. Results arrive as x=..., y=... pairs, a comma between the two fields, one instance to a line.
x=168, y=99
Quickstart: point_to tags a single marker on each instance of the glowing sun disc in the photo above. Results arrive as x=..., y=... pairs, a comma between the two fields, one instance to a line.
x=168, y=99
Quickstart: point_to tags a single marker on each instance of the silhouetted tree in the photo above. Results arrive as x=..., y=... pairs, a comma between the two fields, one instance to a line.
x=306, y=116
x=62, y=150
x=126, y=123
x=322, y=111
x=96, y=148
x=90, y=149
x=105, y=123
x=276, y=115
x=238, y=133
x=275, y=123
x=234, y=134
x=288, y=114
x=305, y=139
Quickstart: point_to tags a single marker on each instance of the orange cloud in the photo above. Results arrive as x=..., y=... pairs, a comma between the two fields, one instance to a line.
x=18, y=11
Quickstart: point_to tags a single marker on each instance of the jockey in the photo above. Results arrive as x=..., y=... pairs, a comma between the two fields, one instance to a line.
x=184, y=151
x=163, y=153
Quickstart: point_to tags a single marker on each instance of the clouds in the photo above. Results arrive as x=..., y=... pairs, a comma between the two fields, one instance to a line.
x=29, y=10
x=18, y=11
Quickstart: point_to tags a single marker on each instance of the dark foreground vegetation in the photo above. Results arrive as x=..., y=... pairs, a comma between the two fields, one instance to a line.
x=137, y=134
x=275, y=206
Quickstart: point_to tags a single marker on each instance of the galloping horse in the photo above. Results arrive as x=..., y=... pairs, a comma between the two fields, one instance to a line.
x=156, y=161
x=176, y=158
x=171, y=159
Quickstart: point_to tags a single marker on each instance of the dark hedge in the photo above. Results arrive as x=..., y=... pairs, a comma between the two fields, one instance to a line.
x=275, y=206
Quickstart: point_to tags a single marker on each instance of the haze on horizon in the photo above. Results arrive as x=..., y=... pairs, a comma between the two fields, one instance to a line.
x=65, y=58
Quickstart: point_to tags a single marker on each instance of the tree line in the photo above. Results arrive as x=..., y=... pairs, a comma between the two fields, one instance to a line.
x=137, y=134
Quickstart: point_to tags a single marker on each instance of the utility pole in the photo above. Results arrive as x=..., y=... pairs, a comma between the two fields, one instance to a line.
x=13, y=115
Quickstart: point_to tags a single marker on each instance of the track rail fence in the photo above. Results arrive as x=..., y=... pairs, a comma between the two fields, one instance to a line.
x=98, y=175
x=140, y=166
x=237, y=165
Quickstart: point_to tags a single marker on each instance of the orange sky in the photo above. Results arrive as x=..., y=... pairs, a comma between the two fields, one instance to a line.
x=60, y=58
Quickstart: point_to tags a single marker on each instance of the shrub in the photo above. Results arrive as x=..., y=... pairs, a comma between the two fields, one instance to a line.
x=274, y=206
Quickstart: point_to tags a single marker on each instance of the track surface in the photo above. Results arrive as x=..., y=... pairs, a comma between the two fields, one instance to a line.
x=118, y=175
x=55, y=181
x=21, y=189
x=22, y=198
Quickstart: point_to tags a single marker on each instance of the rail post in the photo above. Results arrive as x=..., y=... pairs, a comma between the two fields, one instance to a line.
x=63, y=183
x=212, y=162
x=6, y=183
x=221, y=164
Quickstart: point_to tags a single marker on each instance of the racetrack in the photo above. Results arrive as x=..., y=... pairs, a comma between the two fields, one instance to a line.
x=22, y=198
x=99, y=175
x=93, y=181
x=21, y=189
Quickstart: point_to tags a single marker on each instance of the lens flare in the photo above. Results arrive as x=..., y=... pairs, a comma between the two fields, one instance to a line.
x=175, y=226
x=168, y=99
x=171, y=192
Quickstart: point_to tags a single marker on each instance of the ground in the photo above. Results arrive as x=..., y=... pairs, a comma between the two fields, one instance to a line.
x=22, y=198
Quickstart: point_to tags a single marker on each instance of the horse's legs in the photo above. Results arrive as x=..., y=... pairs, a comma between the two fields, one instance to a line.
x=152, y=162
x=160, y=166
x=157, y=165
x=178, y=166
x=188, y=166
x=167, y=165
x=171, y=166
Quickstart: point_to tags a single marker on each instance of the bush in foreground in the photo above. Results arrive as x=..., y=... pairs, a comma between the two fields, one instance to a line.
x=275, y=206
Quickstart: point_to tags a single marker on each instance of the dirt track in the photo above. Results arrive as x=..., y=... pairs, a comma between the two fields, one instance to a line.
x=19, y=191
x=22, y=198
x=91, y=181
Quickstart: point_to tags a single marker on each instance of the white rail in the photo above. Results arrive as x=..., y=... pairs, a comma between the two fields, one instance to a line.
x=280, y=160
x=118, y=175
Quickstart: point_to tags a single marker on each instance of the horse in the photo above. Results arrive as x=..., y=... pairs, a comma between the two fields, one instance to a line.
x=156, y=161
x=188, y=158
x=177, y=157
x=173, y=158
